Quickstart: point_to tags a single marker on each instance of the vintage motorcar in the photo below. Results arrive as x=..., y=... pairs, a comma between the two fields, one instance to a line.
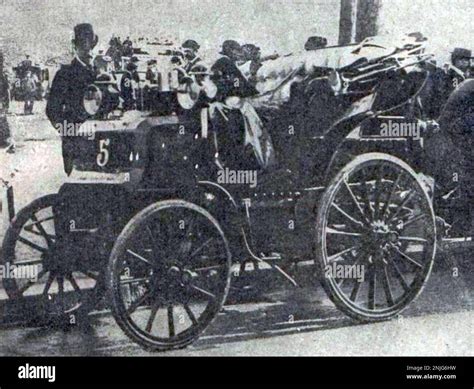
x=159, y=211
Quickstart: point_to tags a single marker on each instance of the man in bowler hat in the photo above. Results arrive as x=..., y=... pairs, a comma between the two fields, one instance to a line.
x=65, y=103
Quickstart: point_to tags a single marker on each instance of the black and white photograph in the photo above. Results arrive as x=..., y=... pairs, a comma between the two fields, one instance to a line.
x=237, y=178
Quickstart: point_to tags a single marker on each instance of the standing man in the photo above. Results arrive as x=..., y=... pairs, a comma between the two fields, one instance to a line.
x=127, y=47
x=456, y=71
x=26, y=63
x=152, y=72
x=443, y=80
x=190, y=49
x=4, y=101
x=461, y=64
x=4, y=88
x=65, y=103
x=128, y=85
x=29, y=86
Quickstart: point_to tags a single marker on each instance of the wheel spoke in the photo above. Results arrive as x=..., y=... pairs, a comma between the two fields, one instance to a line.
x=42, y=231
x=334, y=256
x=29, y=263
x=398, y=274
x=134, y=306
x=368, y=204
x=25, y=287
x=414, y=220
x=354, y=199
x=31, y=225
x=171, y=321
x=151, y=319
x=48, y=284
x=342, y=212
x=355, y=290
x=206, y=243
x=401, y=206
x=330, y=230
x=378, y=192
x=202, y=291
x=61, y=292
x=138, y=256
x=386, y=286
x=389, y=199
x=32, y=245
x=74, y=284
x=372, y=285
x=413, y=239
x=407, y=257
x=31, y=231
x=190, y=313
x=89, y=274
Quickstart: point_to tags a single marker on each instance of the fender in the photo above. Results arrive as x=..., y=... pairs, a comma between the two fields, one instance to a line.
x=225, y=208
x=334, y=137
x=459, y=105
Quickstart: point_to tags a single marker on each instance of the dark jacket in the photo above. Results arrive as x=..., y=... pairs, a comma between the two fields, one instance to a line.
x=230, y=81
x=126, y=89
x=65, y=102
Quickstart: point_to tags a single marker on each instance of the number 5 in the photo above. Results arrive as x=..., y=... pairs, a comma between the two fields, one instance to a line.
x=103, y=156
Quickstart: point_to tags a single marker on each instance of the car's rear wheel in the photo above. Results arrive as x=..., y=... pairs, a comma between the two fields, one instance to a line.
x=39, y=268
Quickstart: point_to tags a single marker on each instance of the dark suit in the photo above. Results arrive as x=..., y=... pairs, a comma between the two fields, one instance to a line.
x=230, y=81
x=65, y=103
x=126, y=88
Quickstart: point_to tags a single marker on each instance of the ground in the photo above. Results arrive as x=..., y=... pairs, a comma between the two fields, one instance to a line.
x=279, y=320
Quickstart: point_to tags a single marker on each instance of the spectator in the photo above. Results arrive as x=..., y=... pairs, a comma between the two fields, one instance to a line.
x=29, y=86
x=4, y=98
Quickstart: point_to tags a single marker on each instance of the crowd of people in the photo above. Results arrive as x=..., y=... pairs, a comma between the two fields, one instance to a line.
x=234, y=74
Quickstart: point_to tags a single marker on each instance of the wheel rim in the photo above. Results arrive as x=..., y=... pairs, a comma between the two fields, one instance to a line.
x=32, y=248
x=171, y=276
x=377, y=237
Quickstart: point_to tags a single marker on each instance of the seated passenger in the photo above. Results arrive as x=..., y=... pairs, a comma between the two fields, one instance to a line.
x=233, y=92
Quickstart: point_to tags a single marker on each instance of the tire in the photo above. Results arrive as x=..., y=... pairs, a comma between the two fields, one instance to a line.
x=371, y=225
x=34, y=226
x=164, y=269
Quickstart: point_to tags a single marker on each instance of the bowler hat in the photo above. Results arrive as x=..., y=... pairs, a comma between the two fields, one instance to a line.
x=459, y=53
x=84, y=31
x=190, y=44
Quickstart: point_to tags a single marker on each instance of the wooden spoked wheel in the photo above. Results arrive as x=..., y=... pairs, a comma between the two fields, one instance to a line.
x=169, y=274
x=376, y=237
